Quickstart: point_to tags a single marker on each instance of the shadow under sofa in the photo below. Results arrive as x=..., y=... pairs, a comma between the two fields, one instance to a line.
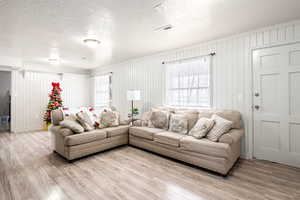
x=215, y=156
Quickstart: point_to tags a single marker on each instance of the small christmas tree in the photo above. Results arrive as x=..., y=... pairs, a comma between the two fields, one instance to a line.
x=55, y=101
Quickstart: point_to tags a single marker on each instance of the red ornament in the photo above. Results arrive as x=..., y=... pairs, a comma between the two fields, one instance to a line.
x=97, y=124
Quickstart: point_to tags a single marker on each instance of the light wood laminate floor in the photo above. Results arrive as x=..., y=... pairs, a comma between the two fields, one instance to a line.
x=30, y=170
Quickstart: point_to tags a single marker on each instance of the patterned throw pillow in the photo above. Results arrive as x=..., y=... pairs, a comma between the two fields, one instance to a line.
x=73, y=125
x=85, y=120
x=221, y=127
x=178, y=124
x=109, y=119
x=201, y=128
x=159, y=119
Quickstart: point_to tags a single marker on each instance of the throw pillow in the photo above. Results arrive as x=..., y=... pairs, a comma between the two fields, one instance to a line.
x=109, y=119
x=201, y=128
x=137, y=123
x=85, y=120
x=71, y=116
x=72, y=125
x=178, y=124
x=192, y=116
x=221, y=127
x=145, y=118
x=159, y=119
x=125, y=122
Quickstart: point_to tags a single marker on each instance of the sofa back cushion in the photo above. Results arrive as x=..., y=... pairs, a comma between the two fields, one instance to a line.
x=194, y=114
x=230, y=115
x=191, y=115
x=56, y=117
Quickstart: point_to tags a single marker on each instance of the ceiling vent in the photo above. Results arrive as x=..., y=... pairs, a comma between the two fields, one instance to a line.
x=164, y=28
x=160, y=7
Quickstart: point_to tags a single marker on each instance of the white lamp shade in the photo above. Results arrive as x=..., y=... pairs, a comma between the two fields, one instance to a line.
x=133, y=95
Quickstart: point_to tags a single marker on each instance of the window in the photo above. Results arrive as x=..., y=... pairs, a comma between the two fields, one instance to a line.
x=188, y=83
x=102, y=90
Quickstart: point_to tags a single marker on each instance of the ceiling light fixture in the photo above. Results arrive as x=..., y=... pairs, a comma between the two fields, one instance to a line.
x=91, y=42
x=54, y=61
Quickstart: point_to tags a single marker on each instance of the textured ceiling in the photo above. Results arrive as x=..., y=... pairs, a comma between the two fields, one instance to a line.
x=34, y=30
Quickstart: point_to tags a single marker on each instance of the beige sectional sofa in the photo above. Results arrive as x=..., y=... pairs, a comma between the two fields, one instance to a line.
x=216, y=156
x=72, y=146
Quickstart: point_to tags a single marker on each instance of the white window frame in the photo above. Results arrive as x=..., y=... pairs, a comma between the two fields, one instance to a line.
x=99, y=91
x=210, y=86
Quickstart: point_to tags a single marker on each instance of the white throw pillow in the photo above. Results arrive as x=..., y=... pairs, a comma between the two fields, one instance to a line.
x=221, y=127
x=85, y=120
x=109, y=119
x=202, y=127
x=73, y=125
x=178, y=124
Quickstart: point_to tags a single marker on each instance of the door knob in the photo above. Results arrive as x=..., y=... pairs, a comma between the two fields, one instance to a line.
x=256, y=94
x=256, y=107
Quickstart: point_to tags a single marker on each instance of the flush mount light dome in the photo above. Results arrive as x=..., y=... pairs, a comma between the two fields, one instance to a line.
x=54, y=61
x=91, y=42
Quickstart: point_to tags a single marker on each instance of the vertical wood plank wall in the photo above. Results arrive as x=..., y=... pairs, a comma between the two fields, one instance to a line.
x=232, y=72
x=30, y=96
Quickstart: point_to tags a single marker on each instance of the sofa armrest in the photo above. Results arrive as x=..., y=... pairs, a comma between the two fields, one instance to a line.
x=61, y=131
x=233, y=136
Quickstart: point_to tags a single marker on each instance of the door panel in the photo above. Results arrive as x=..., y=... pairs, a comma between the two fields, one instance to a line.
x=294, y=57
x=276, y=75
x=270, y=135
x=295, y=138
x=294, y=87
x=269, y=93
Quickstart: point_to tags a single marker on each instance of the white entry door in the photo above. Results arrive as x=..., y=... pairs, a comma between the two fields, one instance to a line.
x=277, y=104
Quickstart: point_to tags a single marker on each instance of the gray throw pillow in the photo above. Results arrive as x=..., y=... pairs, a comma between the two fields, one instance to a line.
x=201, y=128
x=159, y=119
x=72, y=125
x=178, y=124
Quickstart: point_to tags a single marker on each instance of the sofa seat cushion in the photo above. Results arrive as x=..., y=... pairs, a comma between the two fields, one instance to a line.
x=205, y=146
x=169, y=138
x=115, y=131
x=85, y=137
x=144, y=132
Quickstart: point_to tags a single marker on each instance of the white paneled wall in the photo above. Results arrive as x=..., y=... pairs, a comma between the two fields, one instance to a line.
x=232, y=72
x=30, y=96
